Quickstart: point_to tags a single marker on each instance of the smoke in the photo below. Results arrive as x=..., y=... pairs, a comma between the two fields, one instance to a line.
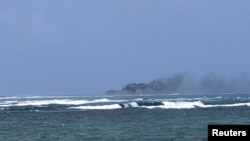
x=186, y=83
x=172, y=84
x=218, y=84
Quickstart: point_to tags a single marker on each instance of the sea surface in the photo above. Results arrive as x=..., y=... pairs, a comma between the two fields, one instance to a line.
x=164, y=117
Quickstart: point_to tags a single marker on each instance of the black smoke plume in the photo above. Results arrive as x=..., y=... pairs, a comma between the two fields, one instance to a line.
x=185, y=83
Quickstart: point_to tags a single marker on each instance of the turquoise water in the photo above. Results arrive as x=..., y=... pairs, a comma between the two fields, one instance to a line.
x=41, y=119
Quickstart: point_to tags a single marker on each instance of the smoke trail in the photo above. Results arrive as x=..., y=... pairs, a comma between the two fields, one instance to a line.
x=185, y=83
x=219, y=84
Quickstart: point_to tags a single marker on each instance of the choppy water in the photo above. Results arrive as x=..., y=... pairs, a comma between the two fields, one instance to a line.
x=136, y=118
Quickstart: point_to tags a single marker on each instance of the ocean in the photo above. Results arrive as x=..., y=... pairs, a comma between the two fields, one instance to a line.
x=162, y=117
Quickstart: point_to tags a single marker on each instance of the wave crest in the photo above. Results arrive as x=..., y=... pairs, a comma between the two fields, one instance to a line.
x=99, y=107
x=104, y=103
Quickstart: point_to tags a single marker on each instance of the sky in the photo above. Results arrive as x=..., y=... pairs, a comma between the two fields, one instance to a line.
x=86, y=47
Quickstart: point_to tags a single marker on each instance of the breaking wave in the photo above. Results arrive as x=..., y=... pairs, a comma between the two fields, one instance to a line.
x=9, y=103
x=100, y=107
x=60, y=103
x=162, y=105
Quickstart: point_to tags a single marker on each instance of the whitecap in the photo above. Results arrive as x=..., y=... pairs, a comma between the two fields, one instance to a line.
x=177, y=105
x=98, y=107
x=37, y=102
x=227, y=105
x=53, y=101
x=190, y=105
x=133, y=104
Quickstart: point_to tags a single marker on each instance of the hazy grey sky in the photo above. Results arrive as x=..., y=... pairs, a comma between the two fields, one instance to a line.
x=51, y=47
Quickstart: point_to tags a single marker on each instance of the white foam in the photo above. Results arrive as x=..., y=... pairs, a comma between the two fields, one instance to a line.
x=36, y=102
x=99, y=107
x=105, y=100
x=138, y=99
x=101, y=100
x=227, y=105
x=190, y=105
x=8, y=102
x=53, y=101
x=133, y=104
x=9, y=97
x=178, y=105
